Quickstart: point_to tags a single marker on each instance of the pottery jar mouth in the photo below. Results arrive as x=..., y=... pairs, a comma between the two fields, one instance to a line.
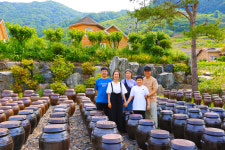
x=159, y=134
x=112, y=139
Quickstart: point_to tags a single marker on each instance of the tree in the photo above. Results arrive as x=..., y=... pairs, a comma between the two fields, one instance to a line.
x=53, y=35
x=169, y=10
x=116, y=38
x=77, y=36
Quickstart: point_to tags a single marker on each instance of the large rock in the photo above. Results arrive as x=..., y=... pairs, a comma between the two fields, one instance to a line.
x=120, y=64
x=97, y=71
x=159, y=70
x=6, y=79
x=10, y=64
x=189, y=79
x=78, y=70
x=160, y=90
x=133, y=66
x=74, y=80
x=141, y=70
x=47, y=73
x=168, y=68
x=185, y=86
x=179, y=76
x=166, y=80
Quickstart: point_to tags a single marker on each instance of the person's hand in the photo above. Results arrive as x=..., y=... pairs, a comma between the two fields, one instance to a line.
x=125, y=104
x=148, y=107
x=109, y=105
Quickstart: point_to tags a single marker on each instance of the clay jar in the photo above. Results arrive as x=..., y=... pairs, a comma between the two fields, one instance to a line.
x=25, y=123
x=178, y=125
x=93, y=121
x=61, y=100
x=45, y=102
x=220, y=111
x=194, y=130
x=84, y=105
x=159, y=109
x=203, y=108
x=126, y=114
x=223, y=98
x=2, y=116
x=90, y=92
x=172, y=101
x=223, y=125
x=47, y=99
x=188, y=96
x=131, y=125
x=26, y=101
x=54, y=137
x=4, y=102
x=86, y=112
x=6, y=93
x=194, y=113
x=218, y=102
x=84, y=101
x=180, y=95
x=39, y=109
x=181, y=110
x=102, y=128
x=162, y=105
x=40, y=103
x=71, y=94
x=15, y=107
x=166, y=93
x=54, y=99
x=170, y=106
x=20, y=104
x=143, y=132
x=59, y=115
x=62, y=121
x=34, y=97
x=6, y=140
x=173, y=94
x=72, y=106
x=182, y=144
x=28, y=93
x=95, y=100
x=7, y=110
x=213, y=139
x=36, y=112
x=31, y=117
x=158, y=140
x=165, y=119
x=207, y=100
x=198, y=99
x=163, y=99
x=78, y=97
x=9, y=98
x=212, y=120
x=60, y=110
x=190, y=105
x=112, y=142
x=93, y=113
x=181, y=103
x=47, y=92
x=15, y=97
x=16, y=131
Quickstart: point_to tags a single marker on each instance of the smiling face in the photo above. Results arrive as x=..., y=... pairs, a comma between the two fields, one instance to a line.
x=128, y=75
x=116, y=75
x=147, y=73
x=104, y=73
x=139, y=82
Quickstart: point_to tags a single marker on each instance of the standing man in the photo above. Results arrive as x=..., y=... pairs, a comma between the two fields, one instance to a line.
x=152, y=85
x=101, y=85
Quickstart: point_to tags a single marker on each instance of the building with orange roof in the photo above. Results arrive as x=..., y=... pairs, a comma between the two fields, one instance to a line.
x=3, y=33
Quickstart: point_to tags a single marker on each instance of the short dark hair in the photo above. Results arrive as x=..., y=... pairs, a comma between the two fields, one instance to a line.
x=139, y=77
x=104, y=68
x=147, y=68
x=115, y=72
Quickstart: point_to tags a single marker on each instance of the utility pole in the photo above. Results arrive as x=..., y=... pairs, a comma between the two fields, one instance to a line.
x=136, y=25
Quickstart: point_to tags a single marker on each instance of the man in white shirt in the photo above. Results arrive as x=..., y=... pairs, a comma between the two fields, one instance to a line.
x=139, y=94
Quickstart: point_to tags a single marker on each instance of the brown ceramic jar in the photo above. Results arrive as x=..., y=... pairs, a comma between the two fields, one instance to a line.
x=207, y=101
x=178, y=125
x=172, y=101
x=84, y=102
x=16, y=131
x=15, y=107
x=93, y=113
x=64, y=106
x=6, y=93
x=20, y=104
x=7, y=110
x=112, y=142
x=62, y=121
x=181, y=109
x=180, y=95
x=84, y=105
x=102, y=128
x=2, y=116
x=28, y=93
x=31, y=117
x=182, y=144
x=195, y=113
x=36, y=112
x=39, y=109
x=47, y=92
x=78, y=97
x=54, y=99
x=188, y=96
x=173, y=94
x=60, y=110
x=131, y=125
x=143, y=132
x=163, y=99
x=180, y=103
x=162, y=105
x=166, y=93
x=34, y=97
x=126, y=114
x=47, y=99
x=86, y=112
x=90, y=92
x=61, y=100
x=71, y=94
x=198, y=100
x=25, y=123
x=15, y=97
x=165, y=119
x=59, y=115
x=4, y=102
x=220, y=111
x=45, y=102
x=190, y=105
x=170, y=106
x=26, y=101
x=212, y=120
x=203, y=108
x=6, y=140
x=218, y=102
x=72, y=106
x=40, y=103
x=54, y=137
x=158, y=140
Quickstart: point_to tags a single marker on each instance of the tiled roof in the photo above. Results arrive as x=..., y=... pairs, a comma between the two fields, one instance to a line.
x=88, y=20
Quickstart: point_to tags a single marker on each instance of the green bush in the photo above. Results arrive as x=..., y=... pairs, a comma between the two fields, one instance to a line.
x=149, y=40
x=165, y=43
x=80, y=88
x=59, y=88
x=32, y=84
x=90, y=82
x=157, y=50
x=162, y=36
x=180, y=67
x=20, y=74
x=39, y=78
x=57, y=48
x=88, y=68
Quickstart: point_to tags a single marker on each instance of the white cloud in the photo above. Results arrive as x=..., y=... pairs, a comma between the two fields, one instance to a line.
x=91, y=5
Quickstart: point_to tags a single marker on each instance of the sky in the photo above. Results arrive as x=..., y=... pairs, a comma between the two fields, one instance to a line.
x=91, y=5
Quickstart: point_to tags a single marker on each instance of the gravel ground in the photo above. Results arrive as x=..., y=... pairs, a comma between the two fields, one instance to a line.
x=79, y=139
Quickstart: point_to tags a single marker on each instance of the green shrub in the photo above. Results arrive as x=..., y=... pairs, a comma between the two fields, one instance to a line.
x=59, y=88
x=149, y=40
x=90, y=82
x=180, y=67
x=165, y=43
x=32, y=84
x=162, y=36
x=80, y=88
x=57, y=48
x=157, y=50
x=20, y=74
x=88, y=68
x=39, y=78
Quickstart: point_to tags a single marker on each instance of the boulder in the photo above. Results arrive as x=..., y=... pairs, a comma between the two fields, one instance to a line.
x=47, y=73
x=179, y=76
x=160, y=90
x=10, y=64
x=189, y=79
x=159, y=69
x=120, y=64
x=97, y=71
x=74, y=80
x=133, y=66
x=168, y=68
x=78, y=70
x=44, y=86
x=6, y=79
x=166, y=80
x=141, y=70
x=185, y=86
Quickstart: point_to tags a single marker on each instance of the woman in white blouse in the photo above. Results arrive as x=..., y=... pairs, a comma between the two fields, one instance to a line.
x=115, y=92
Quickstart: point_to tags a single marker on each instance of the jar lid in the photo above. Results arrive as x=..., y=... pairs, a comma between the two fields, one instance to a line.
x=25, y=98
x=25, y=112
x=3, y=100
x=162, y=103
x=202, y=106
x=63, y=98
x=61, y=106
x=58, y=114
x=58, y=120
x=68, y=101
x=214, y=131
x=10, y=124
x=29, y=91
x=135, y=116
x=90, y=89
x=181, y=107
x=190, y=104
x=161, y=134
x=112, y=138
x=31, y=108
x=89, y=105
x=38, y=106
x=54, y=128
x=170, y=104
x=4, y=131
x=60, y=110
x=86, y=101
x=70, y=90
x=11, y=104
x=194, y=121
x=180, y=116
x=37, y=103
x=99, y=118
x=217, y=109
x=81, y=94
x=182, y=144
x=90, y=108
x=44, y=98
x=17, y=118
x=7, y=91
x=166, y=112
x=34, y=94
x=14, y=95
x=172, y=101
x=105, y=124
x=47, y=90
x=96, y=113
x=19, y=102
x=146, y=122
x=5, y=107
x=194, y=110
x=55, y=94
x=211, y=115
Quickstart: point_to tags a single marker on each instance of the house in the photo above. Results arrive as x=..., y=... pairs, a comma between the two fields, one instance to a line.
x=87, y=24
x=209, y=54
x=3, y=33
